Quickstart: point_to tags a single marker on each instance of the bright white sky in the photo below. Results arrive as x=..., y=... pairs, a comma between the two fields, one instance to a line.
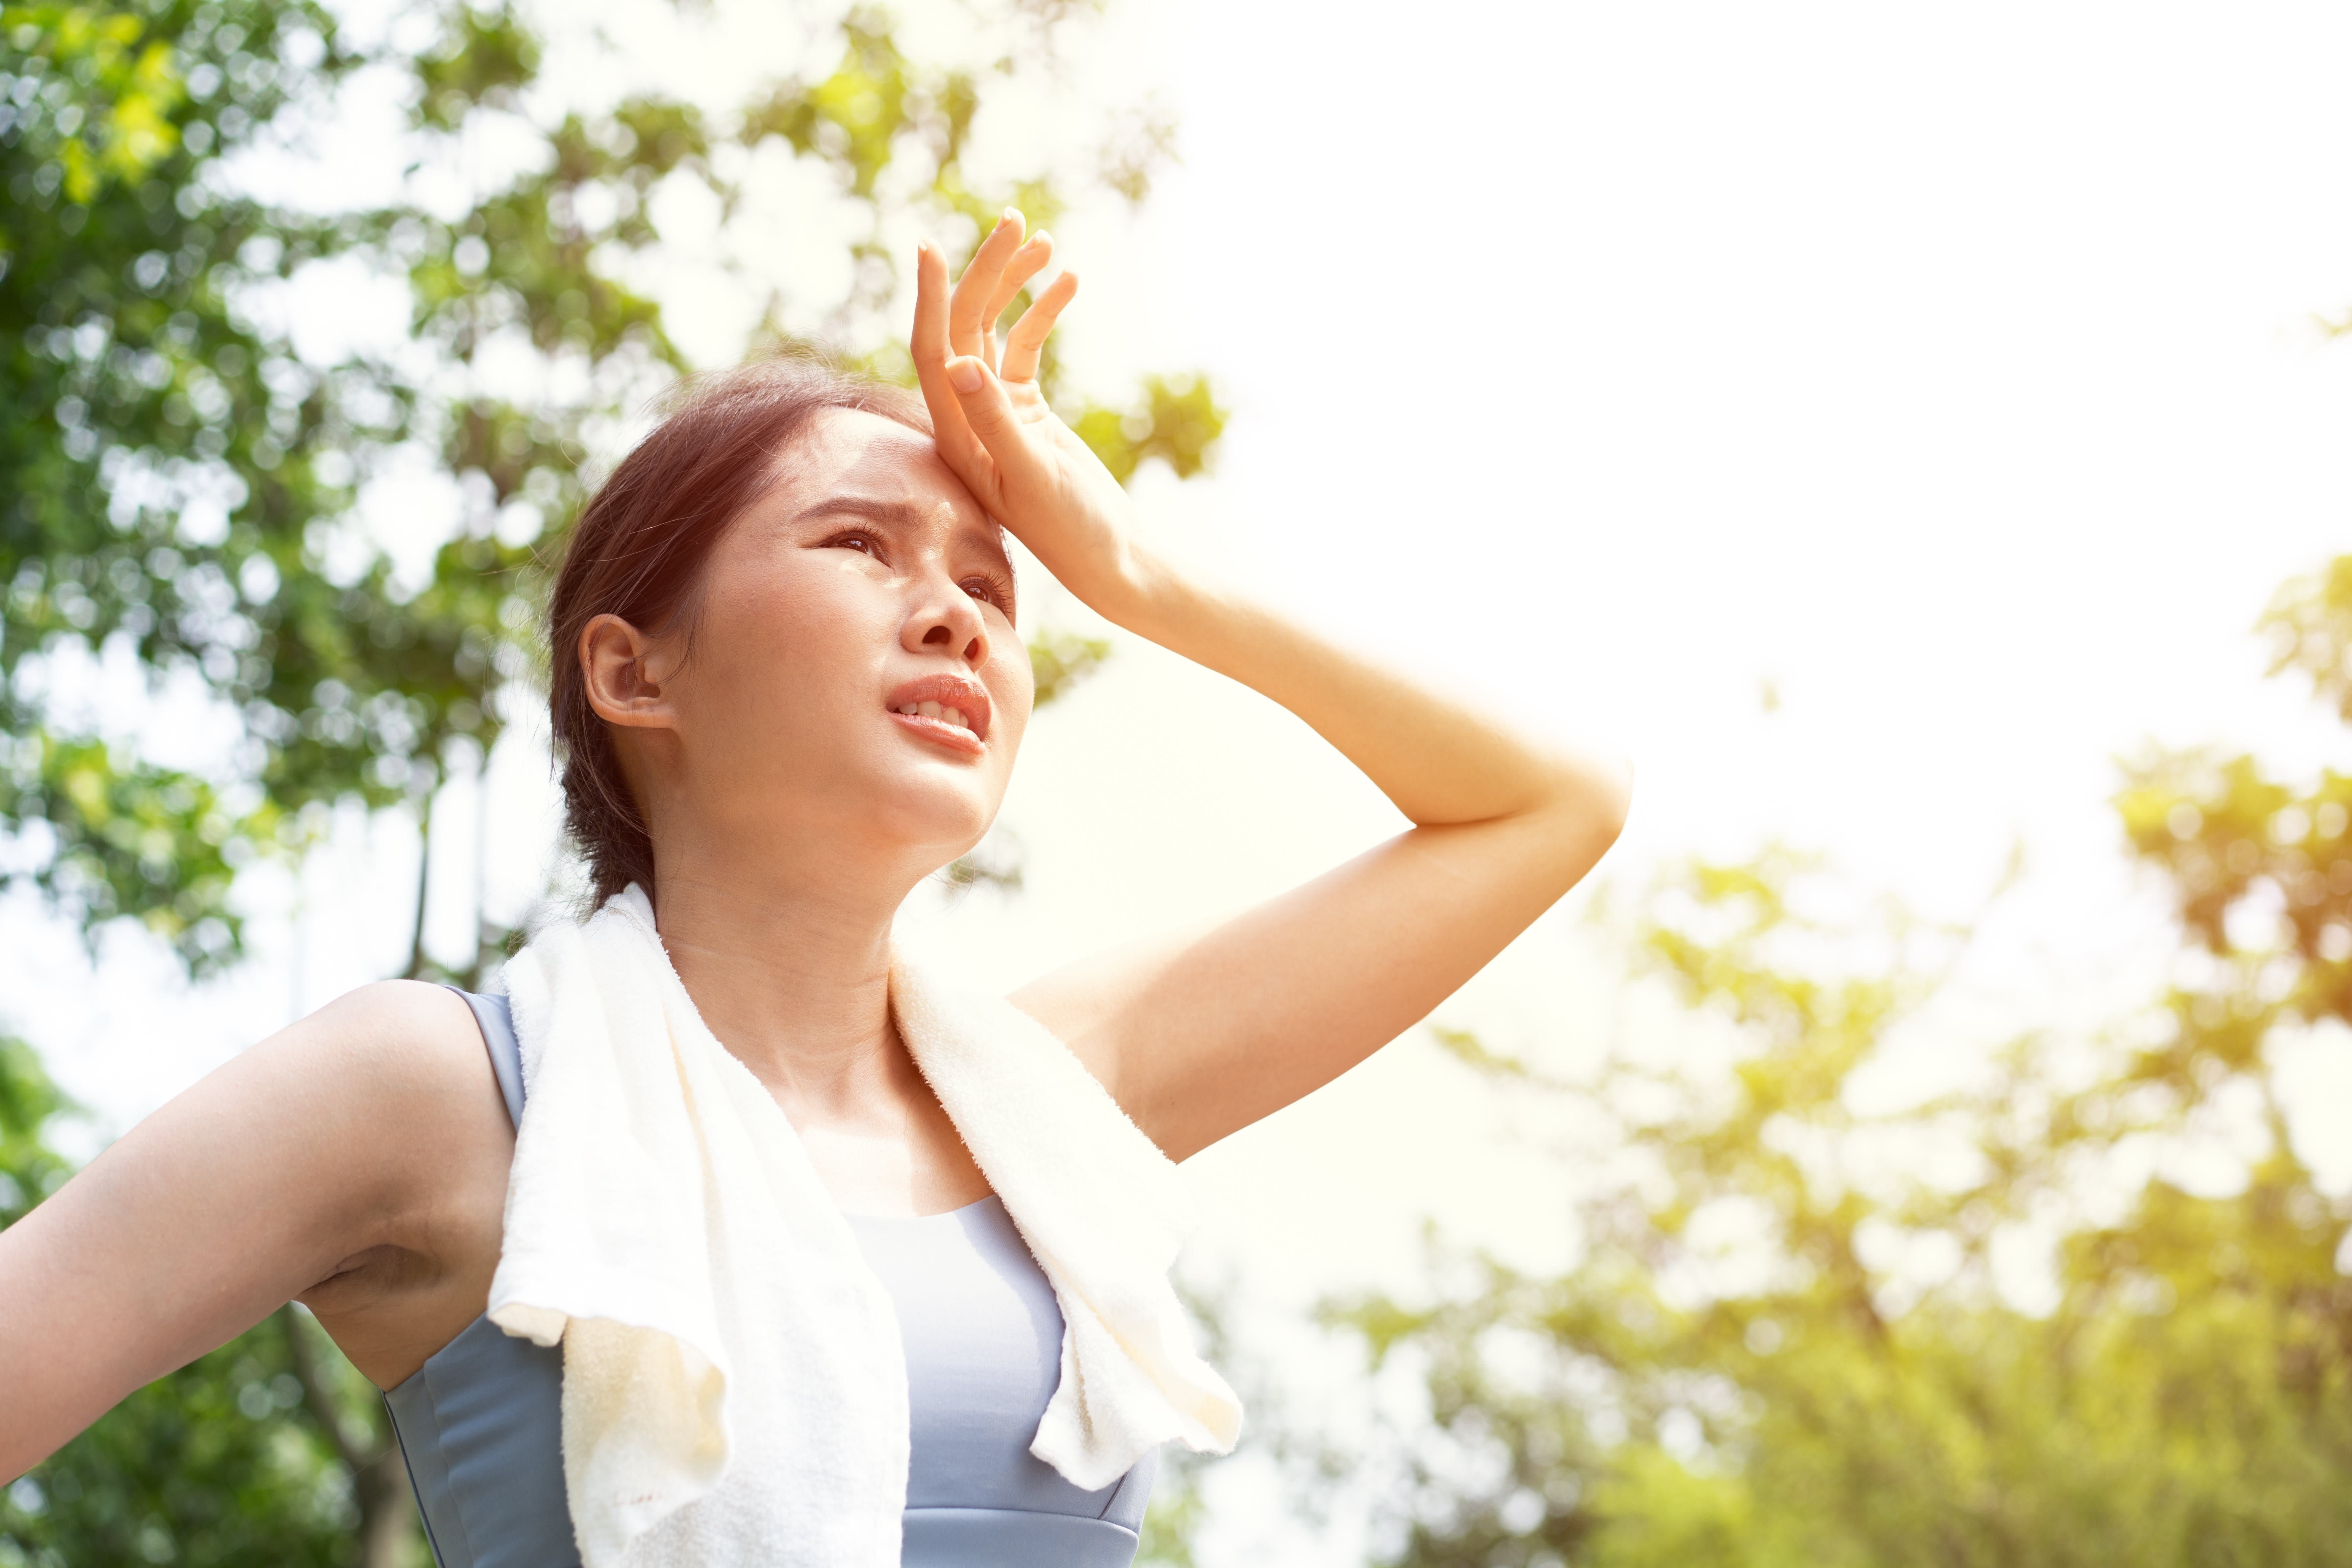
x=1954, y=370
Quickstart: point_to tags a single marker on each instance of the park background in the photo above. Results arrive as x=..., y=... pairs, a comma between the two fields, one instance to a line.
x=1912, y=435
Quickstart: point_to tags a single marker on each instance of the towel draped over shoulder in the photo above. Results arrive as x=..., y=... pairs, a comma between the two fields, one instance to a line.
x=734, y=1386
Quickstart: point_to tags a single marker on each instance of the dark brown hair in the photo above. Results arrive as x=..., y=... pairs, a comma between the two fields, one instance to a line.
x=638, y=548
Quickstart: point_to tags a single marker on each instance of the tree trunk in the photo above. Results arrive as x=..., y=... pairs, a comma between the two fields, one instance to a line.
x=415, y=970
x=388, y=1522
x=387, y=1512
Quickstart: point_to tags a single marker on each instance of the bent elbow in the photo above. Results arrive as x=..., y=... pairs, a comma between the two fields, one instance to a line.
x=1614, y=795
x=1595, y=797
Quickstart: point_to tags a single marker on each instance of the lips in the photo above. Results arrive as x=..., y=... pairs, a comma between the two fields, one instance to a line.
x=950, y=708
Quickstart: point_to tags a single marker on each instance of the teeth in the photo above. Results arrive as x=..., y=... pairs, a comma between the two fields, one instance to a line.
x=941, y=711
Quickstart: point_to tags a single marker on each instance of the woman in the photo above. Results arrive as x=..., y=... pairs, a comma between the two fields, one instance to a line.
x=788, y=688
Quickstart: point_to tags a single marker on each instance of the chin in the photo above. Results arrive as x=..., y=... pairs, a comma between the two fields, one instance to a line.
x=944, y=817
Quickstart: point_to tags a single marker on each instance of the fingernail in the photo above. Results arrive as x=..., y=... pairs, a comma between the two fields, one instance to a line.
x=963, y=374
x=1012, y=214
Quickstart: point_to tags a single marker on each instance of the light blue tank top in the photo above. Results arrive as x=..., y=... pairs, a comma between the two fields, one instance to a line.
x=480, y=1426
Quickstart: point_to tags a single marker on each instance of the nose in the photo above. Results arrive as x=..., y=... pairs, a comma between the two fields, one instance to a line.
x=946, y=620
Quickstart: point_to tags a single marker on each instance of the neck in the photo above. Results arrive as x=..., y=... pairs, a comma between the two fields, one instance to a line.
x=792, y=974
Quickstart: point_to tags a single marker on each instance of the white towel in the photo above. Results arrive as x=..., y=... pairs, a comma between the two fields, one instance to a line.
x=734, y=1388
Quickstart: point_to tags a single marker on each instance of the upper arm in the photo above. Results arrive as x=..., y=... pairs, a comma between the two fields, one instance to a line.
x=222, y=1205
x=1199, y=1033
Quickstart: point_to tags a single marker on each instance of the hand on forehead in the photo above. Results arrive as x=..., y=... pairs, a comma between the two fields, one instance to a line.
x=850, y=463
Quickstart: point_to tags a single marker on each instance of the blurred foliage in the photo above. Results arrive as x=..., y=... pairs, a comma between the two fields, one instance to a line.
x=1179, y=1506
x=180, y=491
x=996, y=863
x=1059, y=660
x=1783, y=1342
x=1803, y=1327
x=153, y=444
x=29, y=1168
x=2183, y=1401
x=1176, y=421
x=143, y=840
x=248, y=1478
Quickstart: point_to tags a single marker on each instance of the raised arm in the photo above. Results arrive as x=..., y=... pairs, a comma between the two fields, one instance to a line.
x=1203, y=1032
x=334, y=1145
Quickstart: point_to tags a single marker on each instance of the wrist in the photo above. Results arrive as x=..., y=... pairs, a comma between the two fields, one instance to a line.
x=1152, y=597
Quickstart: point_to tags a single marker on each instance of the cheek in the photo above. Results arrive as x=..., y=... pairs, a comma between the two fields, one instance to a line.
x=1010, y=686
x=792, y=642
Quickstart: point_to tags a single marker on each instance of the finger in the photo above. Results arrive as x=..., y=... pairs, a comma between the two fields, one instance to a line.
x=928, y=341
x=1018, y=465
x=1026, y=263
x=950, y=430
x=968, y=323
x=967, y=332
x=1027, y=339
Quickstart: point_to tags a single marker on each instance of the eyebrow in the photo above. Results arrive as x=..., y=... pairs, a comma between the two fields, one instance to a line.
x=897, y=513
x=868, y=506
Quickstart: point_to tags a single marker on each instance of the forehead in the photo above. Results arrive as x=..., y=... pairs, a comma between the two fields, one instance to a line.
x=848, y=454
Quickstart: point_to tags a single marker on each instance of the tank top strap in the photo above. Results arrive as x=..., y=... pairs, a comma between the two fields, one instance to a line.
x=495, y=1014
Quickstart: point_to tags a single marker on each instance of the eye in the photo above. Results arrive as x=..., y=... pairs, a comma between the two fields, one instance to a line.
x=854, y=539
x=989, y=591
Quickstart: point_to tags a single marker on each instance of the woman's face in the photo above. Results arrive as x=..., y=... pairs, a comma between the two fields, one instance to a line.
x=852, y=685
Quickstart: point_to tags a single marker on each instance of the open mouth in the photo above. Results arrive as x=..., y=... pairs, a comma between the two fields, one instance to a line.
x=945, y=709
x=954, y=717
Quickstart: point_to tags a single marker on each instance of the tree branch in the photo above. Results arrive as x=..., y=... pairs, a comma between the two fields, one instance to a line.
x=319, y=1393
x=415, y=969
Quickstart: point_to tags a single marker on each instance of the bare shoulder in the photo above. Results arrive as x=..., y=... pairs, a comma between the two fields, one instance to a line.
x=392, y=1027
x=330, y=1105
x=390, y=1070
x=395, y=1038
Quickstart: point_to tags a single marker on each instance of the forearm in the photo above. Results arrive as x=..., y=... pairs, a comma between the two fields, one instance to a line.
x=92, y=1306
x=1438, y=760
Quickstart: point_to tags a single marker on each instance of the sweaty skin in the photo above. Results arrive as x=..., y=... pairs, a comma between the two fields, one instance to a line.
x=357, y=1160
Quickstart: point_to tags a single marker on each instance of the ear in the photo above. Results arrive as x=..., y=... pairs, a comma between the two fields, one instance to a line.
x=623, y=671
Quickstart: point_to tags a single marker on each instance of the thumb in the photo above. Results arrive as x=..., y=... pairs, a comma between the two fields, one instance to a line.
x=990, y=414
